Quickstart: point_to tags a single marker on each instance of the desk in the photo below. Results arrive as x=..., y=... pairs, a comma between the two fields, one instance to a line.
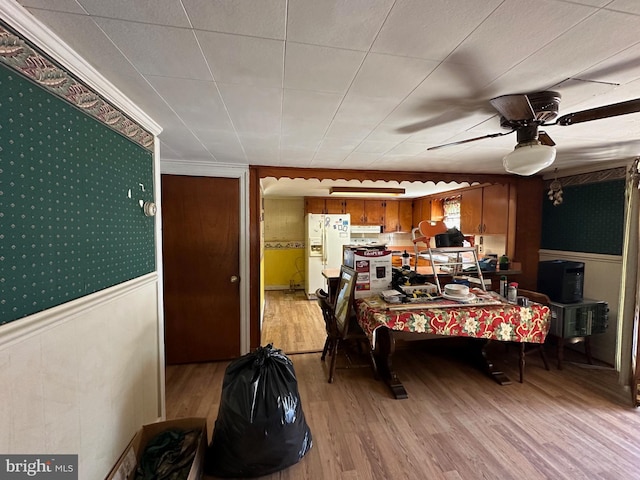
x=504, y=322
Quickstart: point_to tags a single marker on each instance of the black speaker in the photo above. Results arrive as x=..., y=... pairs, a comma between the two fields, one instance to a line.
x=561, y=280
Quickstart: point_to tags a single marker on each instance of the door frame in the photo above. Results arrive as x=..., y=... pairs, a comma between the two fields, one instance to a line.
x=241, y=172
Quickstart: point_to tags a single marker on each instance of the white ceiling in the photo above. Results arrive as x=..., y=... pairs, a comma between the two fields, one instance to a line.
x=332, y=83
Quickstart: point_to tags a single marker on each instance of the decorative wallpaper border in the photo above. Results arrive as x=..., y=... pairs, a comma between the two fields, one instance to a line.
x=18, y=54
x=591, y=177
x=283, y=245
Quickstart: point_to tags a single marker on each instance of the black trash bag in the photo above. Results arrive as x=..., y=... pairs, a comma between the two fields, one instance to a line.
x=260, y=427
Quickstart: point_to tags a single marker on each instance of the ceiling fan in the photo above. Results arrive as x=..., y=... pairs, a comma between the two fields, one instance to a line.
x=526, y=113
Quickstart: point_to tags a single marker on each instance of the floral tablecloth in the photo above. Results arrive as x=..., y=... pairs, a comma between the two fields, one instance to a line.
x=504, y=322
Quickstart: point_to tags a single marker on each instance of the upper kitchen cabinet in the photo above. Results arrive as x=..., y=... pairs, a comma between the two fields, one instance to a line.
x=334, y=205
x=485, y=211
x=314, y=205
x=398, y=216
x=324, y=205
x=437, y=209
x=421, y=210
x=365, y=212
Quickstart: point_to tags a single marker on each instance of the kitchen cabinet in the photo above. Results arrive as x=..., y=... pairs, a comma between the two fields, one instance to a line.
x=421, y=210
x=365, y=212
x=485, y=211
x=334, y=205
x=324, y=205
x=437, y=209
x=398, y=215
x=314, y=205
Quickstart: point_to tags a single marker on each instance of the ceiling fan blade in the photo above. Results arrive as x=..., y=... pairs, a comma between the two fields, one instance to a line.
x=492, y=135
x=613, y=110
x=514, y=107
x=545, y=139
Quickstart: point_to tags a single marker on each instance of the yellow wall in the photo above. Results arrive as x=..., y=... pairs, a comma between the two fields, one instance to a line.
x=284, y=249
x=283, y=266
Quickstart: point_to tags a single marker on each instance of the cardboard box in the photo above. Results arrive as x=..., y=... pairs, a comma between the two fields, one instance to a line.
x=125, y=467
x=373, y=267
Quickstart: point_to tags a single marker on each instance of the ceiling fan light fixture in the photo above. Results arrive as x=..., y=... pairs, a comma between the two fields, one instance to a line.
x=529, y=158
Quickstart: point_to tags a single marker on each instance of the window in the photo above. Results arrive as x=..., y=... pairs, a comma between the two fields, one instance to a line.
x=451, y=210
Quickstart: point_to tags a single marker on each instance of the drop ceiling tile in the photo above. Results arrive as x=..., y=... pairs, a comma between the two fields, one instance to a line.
x=291, y=156
x=514, y=19
x=629, y=6
x=185, y=144
x=197, y=102
x=432, y=29
x=351, y=131
x=158, y=50
x=620, y=69
x=336, y=23
x=578, y=49
x=53, y=5
x=408, y=148
x=318, y=107
x=223, y=145
x=82, y=34
x=158, y=12
x=253, y=110
x=265, y=18
x=325, y=69
x=236, y=59
x=301, y=133
x=166, y=152
x=375, y=148
x=211, y=137
x=361, y=160
x=365, y=110
x=593, y=3
x=390, y=76
x=302, y=140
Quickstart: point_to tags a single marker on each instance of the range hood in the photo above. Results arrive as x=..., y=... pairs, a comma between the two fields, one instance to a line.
x=366, y=229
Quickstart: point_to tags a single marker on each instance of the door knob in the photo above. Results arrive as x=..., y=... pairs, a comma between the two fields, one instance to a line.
x=234, y=279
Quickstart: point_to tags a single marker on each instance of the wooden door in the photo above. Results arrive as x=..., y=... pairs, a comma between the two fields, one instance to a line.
x=405, y=214
x=355, y=207
x=417, y=212
x=471, y=212
x=437, y=209
x=334, y=205
x=374, y=212
x=314, y=205
x=495, y=209
x=391, y=216
x=201, y=257
x=426, y=209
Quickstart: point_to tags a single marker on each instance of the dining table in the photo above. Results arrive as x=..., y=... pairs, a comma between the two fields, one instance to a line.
x=490, y=318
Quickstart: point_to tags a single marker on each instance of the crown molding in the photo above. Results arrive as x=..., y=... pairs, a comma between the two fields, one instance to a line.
x=41, y=37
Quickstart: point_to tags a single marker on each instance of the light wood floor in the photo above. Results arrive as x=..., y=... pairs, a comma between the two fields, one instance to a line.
x=292, y=323
x=575, y=423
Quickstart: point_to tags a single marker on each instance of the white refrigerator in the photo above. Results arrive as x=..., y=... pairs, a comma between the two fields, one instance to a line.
x=325, y=237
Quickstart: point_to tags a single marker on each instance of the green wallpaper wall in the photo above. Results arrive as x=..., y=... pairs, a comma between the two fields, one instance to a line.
x=67, y=225
x=590, y=219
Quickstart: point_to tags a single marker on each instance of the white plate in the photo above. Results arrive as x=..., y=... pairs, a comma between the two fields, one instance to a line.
x=459, y=298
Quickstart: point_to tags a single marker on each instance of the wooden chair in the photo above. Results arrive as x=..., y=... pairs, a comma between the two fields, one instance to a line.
x=327, y=314
x=423, y=233
x=342, y=327
x=527, y=348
